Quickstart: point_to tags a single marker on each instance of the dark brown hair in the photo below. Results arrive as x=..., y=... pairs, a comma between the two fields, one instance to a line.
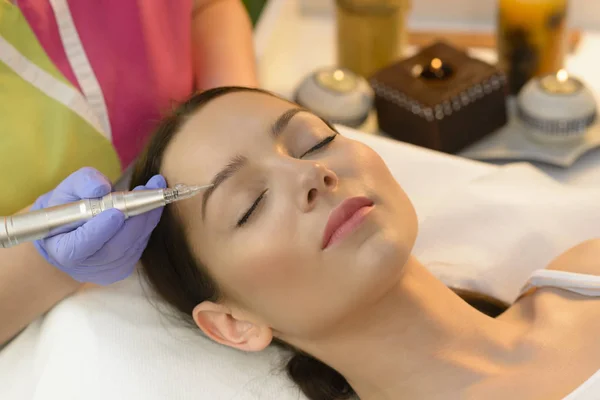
x=174, y=273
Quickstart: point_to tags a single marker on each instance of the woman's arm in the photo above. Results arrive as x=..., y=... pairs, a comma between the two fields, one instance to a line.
x=223, y=46
x=29, y=286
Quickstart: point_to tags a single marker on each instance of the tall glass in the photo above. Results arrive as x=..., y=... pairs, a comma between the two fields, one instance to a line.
x=371, y=34
x=532, y=39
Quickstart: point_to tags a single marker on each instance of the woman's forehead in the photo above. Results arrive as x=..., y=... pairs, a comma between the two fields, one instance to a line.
x=226, y=126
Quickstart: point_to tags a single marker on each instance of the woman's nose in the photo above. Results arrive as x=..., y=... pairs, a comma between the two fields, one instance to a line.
x=315, y=181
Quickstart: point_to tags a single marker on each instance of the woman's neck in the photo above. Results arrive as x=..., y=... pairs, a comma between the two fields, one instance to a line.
x=419, y=341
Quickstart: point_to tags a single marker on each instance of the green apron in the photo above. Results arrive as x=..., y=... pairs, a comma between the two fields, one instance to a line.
x=44, y=133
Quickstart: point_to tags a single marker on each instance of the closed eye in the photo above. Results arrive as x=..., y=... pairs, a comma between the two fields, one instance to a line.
x=253, y=207
x=322, y=143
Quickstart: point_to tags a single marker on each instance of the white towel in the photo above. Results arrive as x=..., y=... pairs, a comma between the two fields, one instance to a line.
x=110, y=343
x=491, y=233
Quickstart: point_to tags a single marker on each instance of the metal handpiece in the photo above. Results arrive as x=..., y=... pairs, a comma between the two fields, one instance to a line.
x=50, y=221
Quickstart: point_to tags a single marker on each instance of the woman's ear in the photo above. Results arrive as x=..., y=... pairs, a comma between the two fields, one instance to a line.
x=218, y=323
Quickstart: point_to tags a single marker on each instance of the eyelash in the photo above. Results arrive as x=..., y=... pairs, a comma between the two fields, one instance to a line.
x=322, y=143
x=244, y=219
x=256, y=203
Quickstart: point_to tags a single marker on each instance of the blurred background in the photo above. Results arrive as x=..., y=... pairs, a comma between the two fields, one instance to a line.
x=254, y=8
x=476, y=13
x=518, y=81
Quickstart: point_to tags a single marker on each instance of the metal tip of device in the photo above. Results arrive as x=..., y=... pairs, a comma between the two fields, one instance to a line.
x=182, y=192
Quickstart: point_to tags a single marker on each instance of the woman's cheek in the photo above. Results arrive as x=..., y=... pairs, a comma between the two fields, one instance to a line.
x=355, y=159
x=262, y=270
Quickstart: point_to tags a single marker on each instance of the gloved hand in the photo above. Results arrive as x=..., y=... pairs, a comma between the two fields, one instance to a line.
x=106, y=248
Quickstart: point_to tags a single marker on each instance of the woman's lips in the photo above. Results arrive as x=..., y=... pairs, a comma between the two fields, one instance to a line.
x=345, y=218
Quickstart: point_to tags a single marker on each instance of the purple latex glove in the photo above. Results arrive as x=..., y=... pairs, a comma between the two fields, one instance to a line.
x=106, y=248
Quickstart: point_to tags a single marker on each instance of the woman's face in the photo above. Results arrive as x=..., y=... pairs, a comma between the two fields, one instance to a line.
x=303, y=226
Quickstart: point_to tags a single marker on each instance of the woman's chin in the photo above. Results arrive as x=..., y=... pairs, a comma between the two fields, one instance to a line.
x=383, y=256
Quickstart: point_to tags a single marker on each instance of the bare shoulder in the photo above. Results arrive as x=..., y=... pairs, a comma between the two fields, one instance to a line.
x=583, y=258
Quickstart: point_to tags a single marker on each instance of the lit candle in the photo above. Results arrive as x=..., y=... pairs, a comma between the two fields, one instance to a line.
x=435, y=70
x=560, y=83
x=436, y=64
x=436, y=67
x=338, y=80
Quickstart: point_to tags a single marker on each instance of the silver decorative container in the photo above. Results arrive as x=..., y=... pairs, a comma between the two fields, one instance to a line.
x=557, y=108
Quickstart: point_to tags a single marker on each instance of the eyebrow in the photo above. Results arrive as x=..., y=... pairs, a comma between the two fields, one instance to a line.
x=283, y=121
x=239, y=161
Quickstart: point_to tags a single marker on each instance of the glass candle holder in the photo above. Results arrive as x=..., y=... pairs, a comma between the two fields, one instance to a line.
x=531, y=37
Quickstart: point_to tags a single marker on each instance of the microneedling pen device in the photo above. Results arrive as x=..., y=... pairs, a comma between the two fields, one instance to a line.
x=50, y=221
